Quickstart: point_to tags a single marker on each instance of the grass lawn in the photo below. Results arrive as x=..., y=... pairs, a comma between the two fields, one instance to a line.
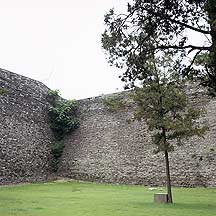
x=90, y=199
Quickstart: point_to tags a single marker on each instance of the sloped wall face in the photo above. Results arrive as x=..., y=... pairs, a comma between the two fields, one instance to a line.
x=25, y=136
x=107, y=149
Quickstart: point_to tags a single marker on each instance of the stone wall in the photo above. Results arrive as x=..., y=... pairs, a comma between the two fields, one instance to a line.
x=107, y=149
x=25, y=136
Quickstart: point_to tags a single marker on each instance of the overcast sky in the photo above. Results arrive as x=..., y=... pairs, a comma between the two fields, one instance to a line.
x=58, y=42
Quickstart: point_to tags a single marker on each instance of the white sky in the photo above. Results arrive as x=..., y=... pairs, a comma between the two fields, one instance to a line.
x=58, y=42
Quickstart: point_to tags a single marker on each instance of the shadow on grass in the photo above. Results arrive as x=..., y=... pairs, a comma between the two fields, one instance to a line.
x=192, y=206
x=177, y=206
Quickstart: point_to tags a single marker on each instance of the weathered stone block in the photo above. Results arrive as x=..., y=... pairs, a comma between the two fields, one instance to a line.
x=161, y=198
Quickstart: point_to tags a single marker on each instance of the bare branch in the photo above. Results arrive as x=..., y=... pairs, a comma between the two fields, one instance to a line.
x=193, y=60
x=183, y=47
x=188, y=26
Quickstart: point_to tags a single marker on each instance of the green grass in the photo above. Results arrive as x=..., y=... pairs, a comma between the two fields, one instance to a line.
x=89, y=199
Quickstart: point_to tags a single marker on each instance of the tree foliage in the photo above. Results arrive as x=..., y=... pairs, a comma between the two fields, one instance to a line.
x=161, y=26
x=165, y=108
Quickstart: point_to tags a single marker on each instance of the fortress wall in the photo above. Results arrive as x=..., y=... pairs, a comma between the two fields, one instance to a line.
x=107, y=149
x=25, y=136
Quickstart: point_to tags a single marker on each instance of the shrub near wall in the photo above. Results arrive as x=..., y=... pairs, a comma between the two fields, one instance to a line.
x=63, y=120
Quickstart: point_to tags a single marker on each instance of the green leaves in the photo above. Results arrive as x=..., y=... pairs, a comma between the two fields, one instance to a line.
x=57, y=150
x=3, y=91
x=149, y=29
x=63, y=119
x=114, y=103
x=167, y=112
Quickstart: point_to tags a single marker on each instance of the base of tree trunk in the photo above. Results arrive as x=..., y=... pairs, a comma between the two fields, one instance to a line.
x=161, y=198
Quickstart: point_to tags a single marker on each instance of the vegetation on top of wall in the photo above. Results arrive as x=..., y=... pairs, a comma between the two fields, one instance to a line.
x=2, y=91
x=114, y=103
x=53, y=95
x=63, y=120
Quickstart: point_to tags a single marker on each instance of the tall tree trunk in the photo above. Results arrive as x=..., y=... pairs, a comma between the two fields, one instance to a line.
x=169, y=190
x=168, y=181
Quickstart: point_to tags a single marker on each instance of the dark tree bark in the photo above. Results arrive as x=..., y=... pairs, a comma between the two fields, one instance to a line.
x=169, y=190
x=168, y=179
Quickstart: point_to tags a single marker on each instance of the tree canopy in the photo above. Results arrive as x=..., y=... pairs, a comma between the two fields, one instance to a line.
x=155, y=27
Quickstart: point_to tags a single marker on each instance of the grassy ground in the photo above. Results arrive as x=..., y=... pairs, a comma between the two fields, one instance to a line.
x=87, y=199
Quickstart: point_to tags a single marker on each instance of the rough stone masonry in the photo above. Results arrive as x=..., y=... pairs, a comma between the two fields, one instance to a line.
x=25, y=136
x=105, y=148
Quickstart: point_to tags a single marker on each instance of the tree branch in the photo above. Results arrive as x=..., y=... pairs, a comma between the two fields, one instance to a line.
x=188, y=26
x=183, y=47
x=165, y=17
x=193, y=60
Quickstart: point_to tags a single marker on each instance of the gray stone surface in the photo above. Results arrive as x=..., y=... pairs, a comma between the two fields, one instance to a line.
x=25, y=136
x=105, y=148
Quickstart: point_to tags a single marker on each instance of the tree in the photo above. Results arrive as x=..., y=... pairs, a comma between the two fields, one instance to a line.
x=162, y=102
x=150, y=43
x=164, y=107
x=162, y=26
